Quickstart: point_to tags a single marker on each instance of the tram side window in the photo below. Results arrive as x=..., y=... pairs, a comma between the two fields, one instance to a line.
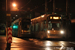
x=32, y=28
x=37, y=24
x=45, y=25
x=41, y=26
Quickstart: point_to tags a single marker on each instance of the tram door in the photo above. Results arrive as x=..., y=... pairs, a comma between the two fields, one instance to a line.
x=15, y=30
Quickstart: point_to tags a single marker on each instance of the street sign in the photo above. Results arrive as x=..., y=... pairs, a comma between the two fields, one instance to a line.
x=9, y=35
x=72, y=20
x=8, y=14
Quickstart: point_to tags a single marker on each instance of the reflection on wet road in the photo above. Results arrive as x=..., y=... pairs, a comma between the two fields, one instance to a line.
x=55, y=45
x=34, y=44
x=2, y=43
x=41, y=45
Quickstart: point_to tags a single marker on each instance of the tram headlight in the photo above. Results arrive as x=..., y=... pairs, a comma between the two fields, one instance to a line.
x=22, y=30
x=62, y=32
x=48, y=31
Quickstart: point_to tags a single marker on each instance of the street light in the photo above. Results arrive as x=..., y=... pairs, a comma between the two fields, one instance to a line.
x=14, y=5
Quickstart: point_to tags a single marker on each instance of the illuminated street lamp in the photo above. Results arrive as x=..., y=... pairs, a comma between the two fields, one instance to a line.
x=14, y=5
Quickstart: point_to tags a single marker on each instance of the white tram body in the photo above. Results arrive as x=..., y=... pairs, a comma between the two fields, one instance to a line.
x=48, y=26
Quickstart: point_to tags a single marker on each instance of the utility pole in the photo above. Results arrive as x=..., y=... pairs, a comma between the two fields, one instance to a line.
x=8, y=15
x=45, y=6
x=67, y=20
x=67, y=8
x=53, y=6
x=8, y=22
x=46, y=15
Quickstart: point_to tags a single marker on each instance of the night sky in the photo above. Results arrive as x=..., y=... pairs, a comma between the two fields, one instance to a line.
x=38, y=5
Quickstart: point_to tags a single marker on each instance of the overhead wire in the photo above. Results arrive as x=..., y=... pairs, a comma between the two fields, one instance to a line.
x=26, y=4
x=40, y=5
x=35, y=7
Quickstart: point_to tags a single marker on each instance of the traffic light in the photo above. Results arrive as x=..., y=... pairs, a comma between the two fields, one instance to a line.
x=15, y=26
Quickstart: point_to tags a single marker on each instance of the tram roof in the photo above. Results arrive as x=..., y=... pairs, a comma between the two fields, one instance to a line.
x=43, y=16
x=15, y=21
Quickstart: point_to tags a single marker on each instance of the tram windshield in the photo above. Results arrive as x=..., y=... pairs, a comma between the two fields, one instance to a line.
x=25, y=24
x=55, y=26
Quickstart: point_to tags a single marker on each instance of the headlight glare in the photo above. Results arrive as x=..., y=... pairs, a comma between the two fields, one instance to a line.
x=48, y=31
x=22, y=30
x=62, y=32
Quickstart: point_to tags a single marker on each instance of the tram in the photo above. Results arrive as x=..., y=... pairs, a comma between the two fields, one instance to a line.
x=48, y=26
x=21, y=27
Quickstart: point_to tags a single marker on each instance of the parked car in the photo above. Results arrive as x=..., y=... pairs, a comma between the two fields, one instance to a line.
x=2, y=29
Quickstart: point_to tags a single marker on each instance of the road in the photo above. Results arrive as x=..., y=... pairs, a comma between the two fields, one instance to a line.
x=34, y=44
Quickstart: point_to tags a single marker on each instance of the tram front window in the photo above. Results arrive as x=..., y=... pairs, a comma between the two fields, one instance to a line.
x=55, y=26
x=25, y=25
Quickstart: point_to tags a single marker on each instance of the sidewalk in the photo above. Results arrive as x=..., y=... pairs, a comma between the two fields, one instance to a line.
x=9, y=46
x=17, y=44
x=2, y=42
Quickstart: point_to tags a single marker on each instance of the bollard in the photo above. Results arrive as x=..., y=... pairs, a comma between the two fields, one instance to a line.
x=9, y=38
x=9, y=35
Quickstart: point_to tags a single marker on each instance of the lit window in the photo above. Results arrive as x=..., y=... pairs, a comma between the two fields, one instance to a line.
x=50, y=17
x=55, y=17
